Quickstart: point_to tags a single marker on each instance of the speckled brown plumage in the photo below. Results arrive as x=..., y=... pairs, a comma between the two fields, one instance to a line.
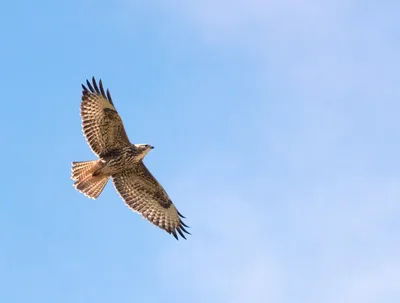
x=122, y=161
x=102, y=126
x=141, y=191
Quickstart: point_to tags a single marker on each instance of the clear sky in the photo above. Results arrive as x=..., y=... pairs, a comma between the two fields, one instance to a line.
x=276, y=133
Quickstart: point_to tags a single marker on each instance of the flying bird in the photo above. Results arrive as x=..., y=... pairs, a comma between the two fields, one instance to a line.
x=121, y=161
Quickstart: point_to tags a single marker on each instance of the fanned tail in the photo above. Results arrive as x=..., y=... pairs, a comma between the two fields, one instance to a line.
x=85, y=182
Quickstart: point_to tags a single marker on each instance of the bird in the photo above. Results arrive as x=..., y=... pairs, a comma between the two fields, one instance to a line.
x=121, y=161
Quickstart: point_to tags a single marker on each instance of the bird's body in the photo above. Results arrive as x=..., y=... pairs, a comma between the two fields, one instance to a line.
x=122, y=161
x=117, y=160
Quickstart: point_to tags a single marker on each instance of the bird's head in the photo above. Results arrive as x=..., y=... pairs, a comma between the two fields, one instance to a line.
x=143, y=149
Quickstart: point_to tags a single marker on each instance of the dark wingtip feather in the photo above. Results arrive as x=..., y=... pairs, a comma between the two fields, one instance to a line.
x=90, y=86
x=109, y=97
x=102, y=89
x=95, y=85
x=180, y=215
x=180, y=232
x=174, y=234
x=183, y=223
x=181, y=227
x=94, y=89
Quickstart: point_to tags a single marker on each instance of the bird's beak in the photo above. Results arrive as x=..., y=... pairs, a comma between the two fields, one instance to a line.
x=152, y=147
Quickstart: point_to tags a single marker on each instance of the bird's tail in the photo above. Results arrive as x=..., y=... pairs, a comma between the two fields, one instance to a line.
x=87, y=183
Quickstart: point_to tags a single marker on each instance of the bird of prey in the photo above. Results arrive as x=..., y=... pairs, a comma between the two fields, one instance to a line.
x=122, y=161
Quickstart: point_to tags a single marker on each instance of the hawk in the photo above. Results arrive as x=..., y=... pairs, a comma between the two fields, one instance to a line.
x=122, y=161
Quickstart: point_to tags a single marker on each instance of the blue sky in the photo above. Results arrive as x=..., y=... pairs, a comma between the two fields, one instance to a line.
x=276, y=131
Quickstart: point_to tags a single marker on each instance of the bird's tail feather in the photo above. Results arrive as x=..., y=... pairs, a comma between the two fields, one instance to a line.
x=85, y=182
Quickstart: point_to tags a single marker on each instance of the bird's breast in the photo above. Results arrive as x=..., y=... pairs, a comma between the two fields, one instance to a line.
x=119, y=160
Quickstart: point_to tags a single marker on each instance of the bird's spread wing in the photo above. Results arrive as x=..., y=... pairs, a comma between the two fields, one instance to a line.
x=102, y=125
x=141, y=192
